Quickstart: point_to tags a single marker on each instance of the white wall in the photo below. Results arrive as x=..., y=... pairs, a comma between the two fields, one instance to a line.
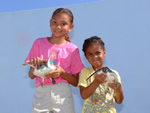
x=123, y=25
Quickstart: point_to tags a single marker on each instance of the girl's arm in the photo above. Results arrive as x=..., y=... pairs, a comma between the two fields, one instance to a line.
x=35, y=62
x=31, y=75
x=61, y=72
x=88, y=91
x=71, y=79
x=119, y=92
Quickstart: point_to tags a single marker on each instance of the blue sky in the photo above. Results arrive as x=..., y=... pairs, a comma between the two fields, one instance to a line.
x=21, y=5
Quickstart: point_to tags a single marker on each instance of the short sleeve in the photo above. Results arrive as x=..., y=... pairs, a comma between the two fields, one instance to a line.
x=82, y=79
x=76, y=63
x=34, y=51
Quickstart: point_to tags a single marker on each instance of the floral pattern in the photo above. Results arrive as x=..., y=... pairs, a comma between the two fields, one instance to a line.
x=101, y=101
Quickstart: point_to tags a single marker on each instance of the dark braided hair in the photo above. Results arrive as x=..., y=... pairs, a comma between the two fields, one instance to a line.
x=69, y=13
x=93, y=39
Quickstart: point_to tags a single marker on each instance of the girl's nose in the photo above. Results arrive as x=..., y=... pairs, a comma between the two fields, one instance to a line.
x=95, y=56
x=58, y=26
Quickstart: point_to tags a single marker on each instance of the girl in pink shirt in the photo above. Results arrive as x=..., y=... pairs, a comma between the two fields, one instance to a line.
x=56, y=98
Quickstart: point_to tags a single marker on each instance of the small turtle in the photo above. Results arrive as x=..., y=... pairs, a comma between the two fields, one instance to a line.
x=42, y=69
x=111, y=76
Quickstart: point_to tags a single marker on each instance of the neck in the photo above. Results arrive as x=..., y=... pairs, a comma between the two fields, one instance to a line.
x=57, y=41
x=97, y=68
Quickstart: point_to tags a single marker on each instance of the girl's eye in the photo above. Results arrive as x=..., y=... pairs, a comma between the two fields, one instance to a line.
x=89, y=55
x=97, y=53
x=54, y=22
x=64, y=24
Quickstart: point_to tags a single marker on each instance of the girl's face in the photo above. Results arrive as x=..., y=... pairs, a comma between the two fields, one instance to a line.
x=95, y=55
x=60, y=25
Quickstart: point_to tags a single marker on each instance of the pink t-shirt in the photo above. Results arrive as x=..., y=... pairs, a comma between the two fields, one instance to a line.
x=66, y=56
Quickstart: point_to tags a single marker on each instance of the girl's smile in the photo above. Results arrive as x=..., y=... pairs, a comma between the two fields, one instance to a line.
x=95, y=55
x=60, y=25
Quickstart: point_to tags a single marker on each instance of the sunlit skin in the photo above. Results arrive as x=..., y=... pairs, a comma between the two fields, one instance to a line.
x=95, y=55
x=60, y=25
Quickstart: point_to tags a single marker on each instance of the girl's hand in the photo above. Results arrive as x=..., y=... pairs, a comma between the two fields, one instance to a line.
x=36, y=61
x=117, y=89
x=99, y=79
x=55, y=73
x=119, y=92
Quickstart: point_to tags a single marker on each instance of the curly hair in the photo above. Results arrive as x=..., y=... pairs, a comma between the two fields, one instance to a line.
x=93, y=39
